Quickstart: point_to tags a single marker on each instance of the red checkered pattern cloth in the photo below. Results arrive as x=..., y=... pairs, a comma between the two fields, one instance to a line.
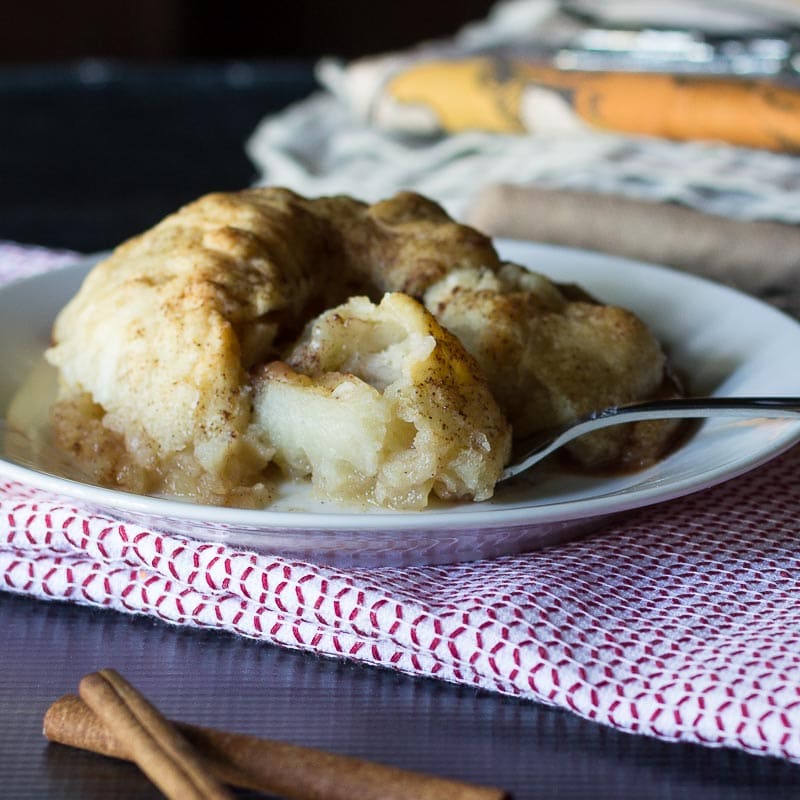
x=681, y=622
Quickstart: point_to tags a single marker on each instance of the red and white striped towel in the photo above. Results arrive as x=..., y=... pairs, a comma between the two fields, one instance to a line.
x=680, y=622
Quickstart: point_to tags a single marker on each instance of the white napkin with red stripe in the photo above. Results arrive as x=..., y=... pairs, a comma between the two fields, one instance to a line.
x=681, y=622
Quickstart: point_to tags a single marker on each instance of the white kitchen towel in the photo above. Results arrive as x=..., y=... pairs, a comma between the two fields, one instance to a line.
x=332, y=142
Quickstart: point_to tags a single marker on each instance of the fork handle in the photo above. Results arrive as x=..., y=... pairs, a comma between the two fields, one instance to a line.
x=700, y=407
x=678, y=408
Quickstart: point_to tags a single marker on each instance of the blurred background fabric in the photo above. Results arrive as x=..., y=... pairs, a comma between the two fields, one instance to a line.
x=355, y=133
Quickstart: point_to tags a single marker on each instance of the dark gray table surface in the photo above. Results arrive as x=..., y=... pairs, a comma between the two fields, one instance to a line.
x=90, y=154
x=216, y=679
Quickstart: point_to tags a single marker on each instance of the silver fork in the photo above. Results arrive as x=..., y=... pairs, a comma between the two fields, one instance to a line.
x=540, y=445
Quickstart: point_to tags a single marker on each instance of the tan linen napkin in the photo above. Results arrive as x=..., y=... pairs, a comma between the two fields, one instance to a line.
x=762, y=258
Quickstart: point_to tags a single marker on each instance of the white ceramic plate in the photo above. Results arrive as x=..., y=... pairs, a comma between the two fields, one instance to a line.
x=725, y=342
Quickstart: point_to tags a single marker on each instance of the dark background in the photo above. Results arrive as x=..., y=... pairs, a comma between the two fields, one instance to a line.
x=200, y=29
x=112, y=115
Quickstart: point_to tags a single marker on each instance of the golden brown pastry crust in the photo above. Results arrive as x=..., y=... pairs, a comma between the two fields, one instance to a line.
x=161, y=354
x=552, y=354
x=163, y=333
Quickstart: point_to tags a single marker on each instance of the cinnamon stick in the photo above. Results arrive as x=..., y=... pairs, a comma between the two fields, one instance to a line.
x=160, y=751
x=291, y=771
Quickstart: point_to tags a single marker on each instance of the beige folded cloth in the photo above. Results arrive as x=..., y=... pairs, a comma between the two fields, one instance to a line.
x=761, y=258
